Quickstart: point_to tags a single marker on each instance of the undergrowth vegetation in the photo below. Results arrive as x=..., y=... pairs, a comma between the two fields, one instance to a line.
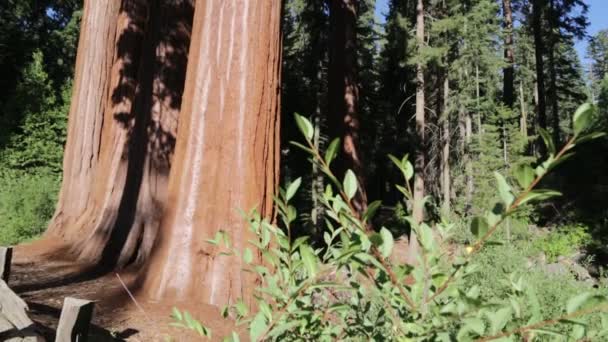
x=351, y=289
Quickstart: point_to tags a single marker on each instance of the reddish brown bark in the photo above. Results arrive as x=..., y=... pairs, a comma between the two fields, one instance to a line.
x=126, y=178
x=343, y=97
x=227, y=152
x=90, y=94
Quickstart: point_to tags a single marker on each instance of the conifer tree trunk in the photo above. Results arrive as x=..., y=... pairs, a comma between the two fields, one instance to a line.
x=508, y=71
x=523, y=122
x=539, y=50
x=343, y=97
x=419, y=162
x=445, y=155
x=553, y=77
x=227, y=153
x=138, y=119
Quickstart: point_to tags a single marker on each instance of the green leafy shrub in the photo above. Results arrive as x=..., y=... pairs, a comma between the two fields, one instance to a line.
x=27, y=202
x=351, y=290
x=564, y=241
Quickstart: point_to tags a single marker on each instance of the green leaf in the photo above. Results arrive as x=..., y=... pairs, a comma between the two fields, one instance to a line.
x=371, y=210
x=386, y=248
x=305, y=126
x=538, y=195
x=177, y=314
x=293, y=188
x=407, y=169
x=524, y=175
x=247, y=256
x=332, y=151
x=499, y=319
x=479, y=226
x=350, y=184
x=584, y=300
x=547, y=139
x=309, y=259
x=582, y=118
x=257, y=327
x=504, y=190
x=282, y=328
x=475, y=325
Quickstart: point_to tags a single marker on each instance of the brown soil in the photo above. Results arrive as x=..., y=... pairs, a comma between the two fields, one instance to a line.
x=43, y=276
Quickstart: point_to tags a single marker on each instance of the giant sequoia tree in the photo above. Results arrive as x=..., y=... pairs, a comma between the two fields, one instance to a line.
x=227, y=152
x=122, y=128
x=119, y=203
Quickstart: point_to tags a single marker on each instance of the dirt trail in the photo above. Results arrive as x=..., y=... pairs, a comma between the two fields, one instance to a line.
x=43, y=276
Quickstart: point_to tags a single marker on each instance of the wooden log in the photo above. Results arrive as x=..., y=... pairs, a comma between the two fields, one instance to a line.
x=6, y=256
x=13, y=308
x=74, y=321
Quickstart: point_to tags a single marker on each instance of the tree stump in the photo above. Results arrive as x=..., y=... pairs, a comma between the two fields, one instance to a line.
x=74, y=321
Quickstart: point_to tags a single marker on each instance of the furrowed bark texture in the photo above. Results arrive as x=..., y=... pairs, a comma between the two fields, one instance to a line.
x=127, y=186
x=226, y=156
x=343, y=93
x=89, y=98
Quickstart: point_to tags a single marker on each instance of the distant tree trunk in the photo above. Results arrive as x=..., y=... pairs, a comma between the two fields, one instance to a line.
x=419, y=162
x=553, y=77
x=138, y=121
x=343, y=98
x=539, y=50
x=508, y=71
x=445, y=155
x=227, y=153
x=523, y=121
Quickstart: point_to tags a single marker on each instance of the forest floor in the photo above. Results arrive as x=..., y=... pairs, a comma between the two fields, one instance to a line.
x=43, y=280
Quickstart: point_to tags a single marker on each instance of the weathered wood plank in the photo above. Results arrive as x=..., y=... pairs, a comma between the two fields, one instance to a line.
x=6, y=257
x=13, y=308
x=74, y=321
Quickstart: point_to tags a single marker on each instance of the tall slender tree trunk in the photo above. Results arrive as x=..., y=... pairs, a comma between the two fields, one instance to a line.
x=553, y=78
x=343, y=98
x=508, y=71
x=226, y=156
x=539, y=51
x=523, y=121
x=445, y=154
x=419, y=162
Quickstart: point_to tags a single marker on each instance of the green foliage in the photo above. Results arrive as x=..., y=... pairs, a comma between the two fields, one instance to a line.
x=564, y=241
x=38, y=141
x=352, y=290
x=27, y=202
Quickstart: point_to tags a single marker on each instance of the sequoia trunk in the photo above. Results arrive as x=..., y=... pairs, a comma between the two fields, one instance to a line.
x=227, y=153
x=343, y=118
x=126, y=181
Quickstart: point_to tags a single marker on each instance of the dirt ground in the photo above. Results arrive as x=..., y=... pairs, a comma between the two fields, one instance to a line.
x=43, y=276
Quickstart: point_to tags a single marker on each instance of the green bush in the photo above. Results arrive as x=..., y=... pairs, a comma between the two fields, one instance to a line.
x=27, y=202
x=564, y=241
x=351, y=290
